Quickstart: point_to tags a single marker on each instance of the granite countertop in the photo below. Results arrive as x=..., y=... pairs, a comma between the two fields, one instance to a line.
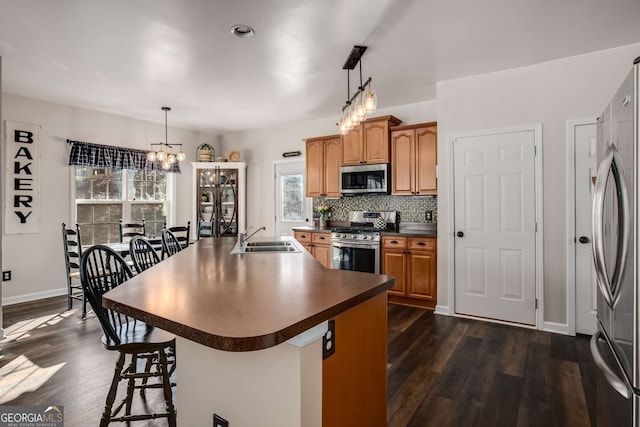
x=241, y=302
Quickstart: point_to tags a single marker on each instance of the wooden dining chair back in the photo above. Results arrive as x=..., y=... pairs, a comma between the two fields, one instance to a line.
x=72, y=244
x=182, y=233
x=101, y=270
x=131, y=229
x=170, y=243
x=142, y=253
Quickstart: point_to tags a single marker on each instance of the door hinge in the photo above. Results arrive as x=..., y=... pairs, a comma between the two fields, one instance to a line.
x=536, y=227
x=536, y=303
x=535, y=151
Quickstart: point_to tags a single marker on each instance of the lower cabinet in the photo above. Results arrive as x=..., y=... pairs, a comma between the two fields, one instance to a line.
x=412, y=261
x=319, y=244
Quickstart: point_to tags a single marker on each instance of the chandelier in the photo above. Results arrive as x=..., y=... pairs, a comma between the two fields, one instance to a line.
x=164, y=154
x=359, y=105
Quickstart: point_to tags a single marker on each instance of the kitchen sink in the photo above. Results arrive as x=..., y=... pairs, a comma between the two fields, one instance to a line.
x=277, y=246
x=270, y=249
x=276, y=243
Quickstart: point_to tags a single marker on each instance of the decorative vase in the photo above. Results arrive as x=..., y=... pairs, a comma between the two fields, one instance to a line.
x=323, y=222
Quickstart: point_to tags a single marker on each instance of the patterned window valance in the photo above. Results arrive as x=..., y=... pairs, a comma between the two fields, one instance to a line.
x=106, y=156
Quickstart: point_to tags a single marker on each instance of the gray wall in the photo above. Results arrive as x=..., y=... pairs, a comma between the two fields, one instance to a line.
x=36, y=260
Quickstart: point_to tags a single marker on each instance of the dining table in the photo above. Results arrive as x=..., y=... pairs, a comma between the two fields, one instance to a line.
x=122, y=248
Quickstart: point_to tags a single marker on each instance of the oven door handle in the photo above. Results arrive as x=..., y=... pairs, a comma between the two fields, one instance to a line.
x=353, y=245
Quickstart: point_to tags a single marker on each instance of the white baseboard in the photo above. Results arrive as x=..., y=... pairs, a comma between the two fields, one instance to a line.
x=442, y=309
x=556, y=328
x=34, y=296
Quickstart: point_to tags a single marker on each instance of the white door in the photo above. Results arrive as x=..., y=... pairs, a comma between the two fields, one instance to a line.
x=293, y=208
x=585, y=172
x=495, y=226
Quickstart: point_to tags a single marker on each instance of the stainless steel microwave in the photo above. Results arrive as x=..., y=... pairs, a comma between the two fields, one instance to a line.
x=364, y=179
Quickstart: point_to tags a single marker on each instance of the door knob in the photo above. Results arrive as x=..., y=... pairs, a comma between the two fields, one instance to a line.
x=459, y=234
x=583, y=239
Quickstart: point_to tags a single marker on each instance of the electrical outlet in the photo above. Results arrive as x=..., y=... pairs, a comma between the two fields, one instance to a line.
x=218, y=421
x=329, y=340
x=6, y=276
x=428, y=216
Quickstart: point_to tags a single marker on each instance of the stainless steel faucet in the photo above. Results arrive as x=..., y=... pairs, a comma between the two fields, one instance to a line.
x=243, y=238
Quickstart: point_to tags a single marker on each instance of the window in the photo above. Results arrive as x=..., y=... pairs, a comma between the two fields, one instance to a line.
x=293, y=197
x=104, y=196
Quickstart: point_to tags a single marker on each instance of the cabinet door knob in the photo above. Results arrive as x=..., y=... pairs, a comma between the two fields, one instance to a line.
x=583, y=239
x=459, y=234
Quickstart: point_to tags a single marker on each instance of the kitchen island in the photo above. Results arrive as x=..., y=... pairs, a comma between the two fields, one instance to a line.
x=250, y=333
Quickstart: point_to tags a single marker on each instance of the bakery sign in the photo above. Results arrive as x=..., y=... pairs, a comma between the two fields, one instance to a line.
x=22, y=178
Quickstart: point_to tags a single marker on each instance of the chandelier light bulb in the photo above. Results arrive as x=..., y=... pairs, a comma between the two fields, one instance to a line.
x=172, y=158
x=151, y=156
x=166, y=164
x=347, y=121
x=361, y=111
x=371, y=101
x=355, y=119
x=161, y=156
x=181, y=156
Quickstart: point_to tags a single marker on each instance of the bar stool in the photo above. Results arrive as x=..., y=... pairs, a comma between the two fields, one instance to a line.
x=102, y=269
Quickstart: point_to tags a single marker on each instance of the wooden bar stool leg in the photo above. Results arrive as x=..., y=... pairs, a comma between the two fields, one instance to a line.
x=111, y=396
x=131, y=383
x=168, y=396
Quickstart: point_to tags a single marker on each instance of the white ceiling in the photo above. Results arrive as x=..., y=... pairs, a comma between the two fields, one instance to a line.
x=132, y=57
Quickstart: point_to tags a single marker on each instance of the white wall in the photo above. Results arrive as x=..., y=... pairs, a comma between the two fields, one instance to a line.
x=262, y=147
x=36, y=260
x=548, y=93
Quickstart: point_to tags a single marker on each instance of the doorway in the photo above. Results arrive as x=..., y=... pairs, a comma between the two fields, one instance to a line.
x=581, y=279
x=292, y=207
x=497, y=219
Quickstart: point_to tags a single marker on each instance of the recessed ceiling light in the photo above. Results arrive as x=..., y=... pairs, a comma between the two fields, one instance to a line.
x=243, y=31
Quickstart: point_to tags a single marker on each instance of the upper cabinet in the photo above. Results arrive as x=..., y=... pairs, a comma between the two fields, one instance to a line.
x=323, y=166
x=368, y=142
x=413, y=159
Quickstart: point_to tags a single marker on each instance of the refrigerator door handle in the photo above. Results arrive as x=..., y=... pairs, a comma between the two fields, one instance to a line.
x=610, y=288
x=621, y=385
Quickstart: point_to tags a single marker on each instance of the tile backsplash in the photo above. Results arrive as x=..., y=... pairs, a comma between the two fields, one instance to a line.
x=411, y=208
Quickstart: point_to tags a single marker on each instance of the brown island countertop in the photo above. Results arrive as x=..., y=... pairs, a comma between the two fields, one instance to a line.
x=241, y=302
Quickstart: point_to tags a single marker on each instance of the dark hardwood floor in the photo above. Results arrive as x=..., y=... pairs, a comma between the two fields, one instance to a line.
x=447, y=371
x=443, y=371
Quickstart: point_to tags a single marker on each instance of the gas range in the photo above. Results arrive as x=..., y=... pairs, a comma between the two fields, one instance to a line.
x=355, y=234
x=366, y=226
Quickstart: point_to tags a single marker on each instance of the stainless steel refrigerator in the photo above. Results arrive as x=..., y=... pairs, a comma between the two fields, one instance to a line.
x=615, y=345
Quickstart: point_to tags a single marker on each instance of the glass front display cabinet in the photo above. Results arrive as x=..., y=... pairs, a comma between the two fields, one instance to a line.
x=219, y=208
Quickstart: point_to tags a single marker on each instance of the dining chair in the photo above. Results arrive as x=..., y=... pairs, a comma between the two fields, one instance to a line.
x=142, y=253
x=128, y=230
x=170, y=243
x=182, y=233
x=72, y=244
x=205, y=229
x=102, y=269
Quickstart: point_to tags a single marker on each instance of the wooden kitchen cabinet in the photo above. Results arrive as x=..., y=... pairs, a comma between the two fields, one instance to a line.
x=318, y=244
x=414, y=158
x=323, y=166
x=413, y=262
x=368, y=142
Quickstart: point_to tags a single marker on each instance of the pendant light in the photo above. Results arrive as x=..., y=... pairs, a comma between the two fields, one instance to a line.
x=360, y=105
x=165, y=154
